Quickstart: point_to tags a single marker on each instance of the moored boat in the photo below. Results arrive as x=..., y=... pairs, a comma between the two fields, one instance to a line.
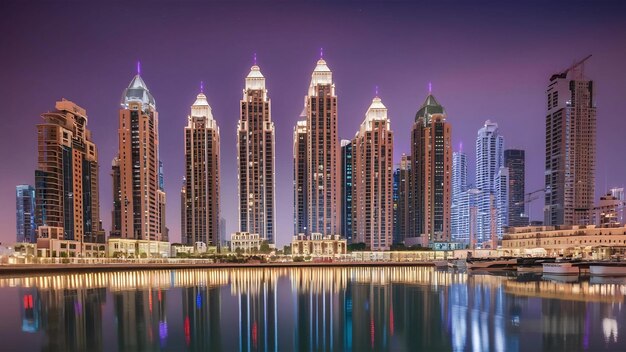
x=491, y=263
x=561, y=268
x=533, y=264
x=441, y=264
x=608, y=268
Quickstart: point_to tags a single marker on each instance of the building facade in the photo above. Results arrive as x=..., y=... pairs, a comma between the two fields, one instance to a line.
x=201, y=192
x=515, y=161
x=501, y=192
x=66, y=179
x=26, y=227
x=141, y=200
x=373, y=179
x=245, y=242
x=570, y=148
x=489, y=159
x=318, y=245
x=459, y=186
x=255, y=159
x=347, y=188
x=607, y=213
x=323, y=166
x=431, y=173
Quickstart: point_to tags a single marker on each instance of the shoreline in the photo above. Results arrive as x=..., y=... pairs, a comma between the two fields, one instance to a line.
x=11, y=269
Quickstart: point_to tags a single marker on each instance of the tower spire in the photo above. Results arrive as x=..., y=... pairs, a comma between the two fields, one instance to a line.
x=138, y=68
x=430, y=87
x=321, y=53
x=376, y=90
x=202, y=87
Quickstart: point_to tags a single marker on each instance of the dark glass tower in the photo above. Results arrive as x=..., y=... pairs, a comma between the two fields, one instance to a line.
x=514, y=160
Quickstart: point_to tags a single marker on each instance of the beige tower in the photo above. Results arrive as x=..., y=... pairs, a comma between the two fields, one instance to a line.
x=300, y=179
x=323, y=167
x=570, y=148
x=201, y=190
x=255, y=159
x=141, y=200
x=373, y=179
x=66, y=179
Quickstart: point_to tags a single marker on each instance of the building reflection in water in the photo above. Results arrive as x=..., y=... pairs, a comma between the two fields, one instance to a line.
x=341, y=309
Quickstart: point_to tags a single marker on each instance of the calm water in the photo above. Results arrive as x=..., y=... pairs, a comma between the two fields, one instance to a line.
x=309, y=309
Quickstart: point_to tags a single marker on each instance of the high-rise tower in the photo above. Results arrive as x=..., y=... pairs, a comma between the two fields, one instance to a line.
x=141, y=200
x=255, y=159
x=514, y=160
x=323, y=166
x=489, y=159
x=25, y=214
x=347, y=188
x=431, y=171
x=300, y=179
x=459, y=185
x=373, y=179
x=66, y=179
x=570, y=148
x=202, y=176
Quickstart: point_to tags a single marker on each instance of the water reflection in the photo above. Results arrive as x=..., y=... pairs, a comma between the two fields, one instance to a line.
x=311, y=309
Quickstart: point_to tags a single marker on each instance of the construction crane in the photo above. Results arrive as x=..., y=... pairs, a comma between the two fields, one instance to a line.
x=529, y=198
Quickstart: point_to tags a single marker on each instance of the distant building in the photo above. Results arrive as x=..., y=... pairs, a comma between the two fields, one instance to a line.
x=66, y=178
x=607, y=211
x=431, y=173
x=255, y=159
x=402, y=201
x=618, y=193
x=51, y=242
x=141, y=199
x=347, y=189
x=570, y=148
x=515, y=161
x=372, y=148
x=501, y=192
x=245, y=242
x=318, y=245
x=129, y=248
x=202, y=176
x=25, y=214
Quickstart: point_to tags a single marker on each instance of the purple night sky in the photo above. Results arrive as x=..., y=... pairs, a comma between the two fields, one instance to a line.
x=487, y=60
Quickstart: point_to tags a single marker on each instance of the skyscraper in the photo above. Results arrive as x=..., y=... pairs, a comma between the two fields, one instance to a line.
x=202, y=175
x=25, y=214
x=570, y=148
x=373, y=179
x=402, y=202
x=489, y=159
x=459, y=185
x=300, y=179
x=514, y=160
x=116, y=212
x=141, y=200
x=501, y=193
x=66, y=179
x=323, y=166
x=347, y=186
x=255, y=159
x=431, y=171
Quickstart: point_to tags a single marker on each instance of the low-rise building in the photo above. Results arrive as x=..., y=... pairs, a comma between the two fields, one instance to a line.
x=52, y=244
x=584, y=241
x=129, y=248
x=245, y=242
x=318, y=245
x=179, y=248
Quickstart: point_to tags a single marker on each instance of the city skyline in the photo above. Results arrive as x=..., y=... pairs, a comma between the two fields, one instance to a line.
x=402, y=89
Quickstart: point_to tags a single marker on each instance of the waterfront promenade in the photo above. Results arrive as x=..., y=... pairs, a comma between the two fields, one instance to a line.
x=168, y=264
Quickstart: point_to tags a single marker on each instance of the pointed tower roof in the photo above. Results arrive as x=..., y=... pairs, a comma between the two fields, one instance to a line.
x=321, y=75
x=138, y=91
x=430, y=107
x=201, y=107
x=255, y=79
x=376, y=112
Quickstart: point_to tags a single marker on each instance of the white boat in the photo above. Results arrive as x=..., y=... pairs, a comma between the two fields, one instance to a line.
x=608, y=269
x=561, y=268
x=491, y=264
